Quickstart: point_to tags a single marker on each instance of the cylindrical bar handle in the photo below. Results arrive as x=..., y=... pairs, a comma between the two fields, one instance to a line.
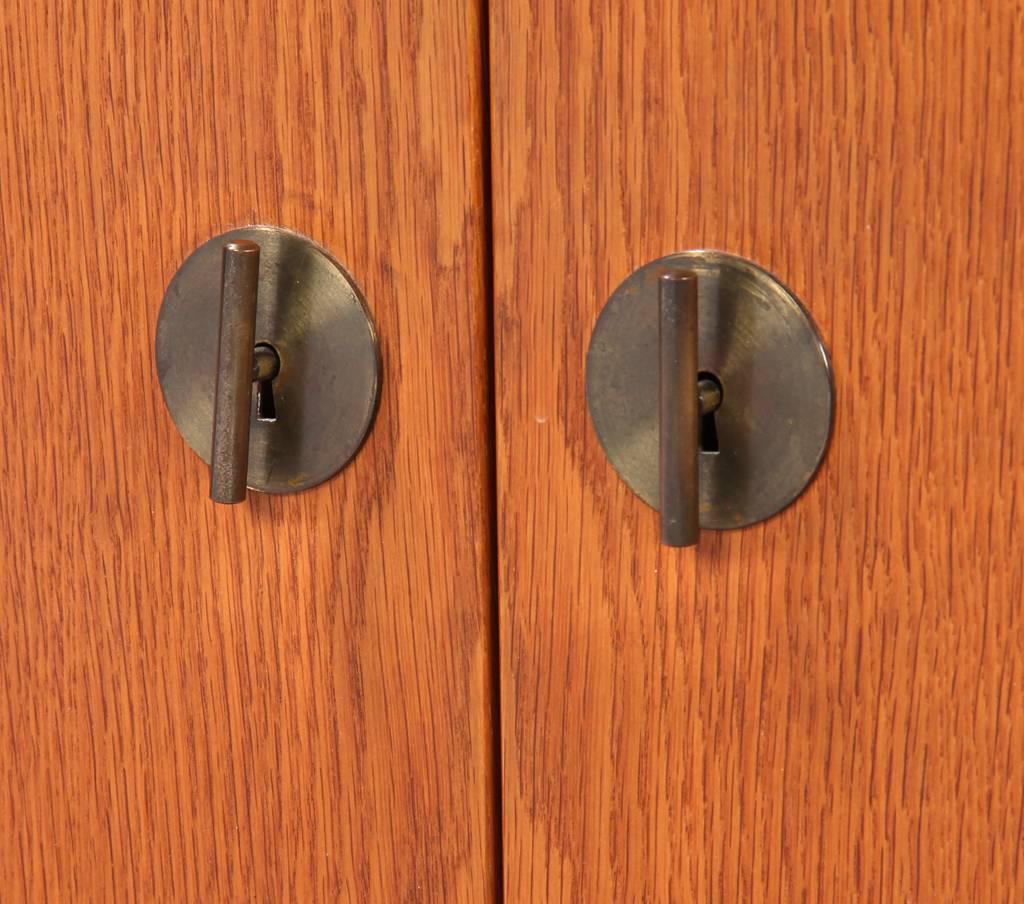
x=229, y=461
x=678, y=409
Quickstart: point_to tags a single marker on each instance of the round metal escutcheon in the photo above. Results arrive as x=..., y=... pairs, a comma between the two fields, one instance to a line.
x=311, y=312
x=775, y=419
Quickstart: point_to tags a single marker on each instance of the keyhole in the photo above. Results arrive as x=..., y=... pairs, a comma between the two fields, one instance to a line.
x=711, y=396
x=266, y=367
x=266, y=410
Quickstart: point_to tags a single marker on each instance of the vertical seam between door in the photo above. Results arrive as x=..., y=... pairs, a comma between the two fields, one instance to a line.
x=492, y=443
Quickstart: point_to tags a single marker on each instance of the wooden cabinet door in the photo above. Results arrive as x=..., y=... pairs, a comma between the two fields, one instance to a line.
x=288, y=699
x=828, y=706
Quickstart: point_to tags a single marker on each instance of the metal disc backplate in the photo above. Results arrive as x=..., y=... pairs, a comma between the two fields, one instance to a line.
x=312, y=313
x=775, y=418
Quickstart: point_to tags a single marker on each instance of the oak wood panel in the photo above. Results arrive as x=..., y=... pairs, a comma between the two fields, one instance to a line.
x=828, y=706
x=288, y=699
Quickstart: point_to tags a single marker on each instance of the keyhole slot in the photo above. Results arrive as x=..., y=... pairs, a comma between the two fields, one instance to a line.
x=266, y=366
x=266, y=410
x=711, y=396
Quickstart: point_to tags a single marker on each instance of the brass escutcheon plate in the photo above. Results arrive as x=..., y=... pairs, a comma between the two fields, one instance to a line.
x=313, y=314
x=775, y=419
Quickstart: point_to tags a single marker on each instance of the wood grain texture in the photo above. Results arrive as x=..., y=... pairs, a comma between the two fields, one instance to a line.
x=289, y=699
x=828, y=706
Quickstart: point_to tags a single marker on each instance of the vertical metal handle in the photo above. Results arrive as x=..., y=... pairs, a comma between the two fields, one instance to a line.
x=229, y=461
x=679, y=411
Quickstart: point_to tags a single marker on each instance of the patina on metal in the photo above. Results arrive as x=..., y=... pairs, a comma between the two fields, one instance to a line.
x=313, y=355
x=229, y=459
x=679, y=420
x=767, y=371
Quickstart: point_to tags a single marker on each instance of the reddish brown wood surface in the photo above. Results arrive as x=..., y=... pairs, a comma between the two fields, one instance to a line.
x=829, y=706
x=288, y=699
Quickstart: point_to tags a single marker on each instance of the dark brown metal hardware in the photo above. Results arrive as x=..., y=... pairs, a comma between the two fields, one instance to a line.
x=678, y=423
x=266, y=307
x=710, y=391
x=240, y=364
x=683, y=400
x=236, y=369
